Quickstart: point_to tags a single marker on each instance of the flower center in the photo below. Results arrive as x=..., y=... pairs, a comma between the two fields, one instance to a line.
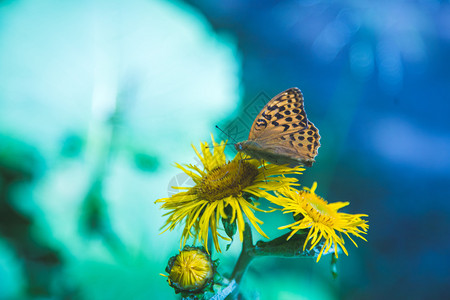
x=227, y=180
x=318, y=209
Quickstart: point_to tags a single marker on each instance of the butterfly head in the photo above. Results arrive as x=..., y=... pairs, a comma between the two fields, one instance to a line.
x=239, y=146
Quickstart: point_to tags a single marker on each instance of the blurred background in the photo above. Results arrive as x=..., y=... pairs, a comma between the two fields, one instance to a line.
x=98, y=99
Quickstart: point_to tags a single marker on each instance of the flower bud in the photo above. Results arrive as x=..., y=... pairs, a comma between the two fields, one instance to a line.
x=191, y=271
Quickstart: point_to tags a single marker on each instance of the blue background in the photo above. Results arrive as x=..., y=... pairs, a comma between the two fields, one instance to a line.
x=99, y=98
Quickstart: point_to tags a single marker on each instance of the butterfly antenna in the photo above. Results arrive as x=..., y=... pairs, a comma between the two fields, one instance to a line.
x=218, y=146
x=229, y=136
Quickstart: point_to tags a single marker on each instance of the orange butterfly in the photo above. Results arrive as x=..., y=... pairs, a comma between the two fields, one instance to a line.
x=281, y=133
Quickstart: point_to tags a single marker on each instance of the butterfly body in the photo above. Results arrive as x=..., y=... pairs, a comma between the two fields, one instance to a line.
x=281, y=133
x=256, y=151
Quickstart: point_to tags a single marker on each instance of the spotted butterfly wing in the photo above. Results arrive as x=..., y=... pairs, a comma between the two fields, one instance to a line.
x=282, y=114
x=281, y=133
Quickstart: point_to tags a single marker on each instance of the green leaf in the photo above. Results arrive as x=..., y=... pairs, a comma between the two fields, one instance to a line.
x=230, y=228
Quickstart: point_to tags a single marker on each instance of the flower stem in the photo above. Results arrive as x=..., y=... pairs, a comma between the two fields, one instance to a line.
x=278, y=247
x=245, y=258
x=243, y=262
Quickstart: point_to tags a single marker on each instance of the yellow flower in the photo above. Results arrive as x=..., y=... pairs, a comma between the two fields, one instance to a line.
x=322, y=219
x=219, y=193
x=191, y=270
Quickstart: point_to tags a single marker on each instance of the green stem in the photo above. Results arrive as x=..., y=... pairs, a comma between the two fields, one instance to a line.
x=281, y=247
x=278, y=247
x=245, y=258
x=243, y=262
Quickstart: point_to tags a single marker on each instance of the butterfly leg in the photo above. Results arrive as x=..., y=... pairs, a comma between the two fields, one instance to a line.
x=239, y=169
x=218, y=179
x=264, y=168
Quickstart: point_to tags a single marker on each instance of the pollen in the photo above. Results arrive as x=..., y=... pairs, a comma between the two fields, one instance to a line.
x=226, y=180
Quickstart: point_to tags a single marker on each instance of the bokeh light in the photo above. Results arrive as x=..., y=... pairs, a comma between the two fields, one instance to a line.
x=99, y=98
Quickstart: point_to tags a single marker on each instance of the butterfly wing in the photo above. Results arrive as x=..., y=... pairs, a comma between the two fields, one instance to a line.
x=283, y=133
x=283, y=114
x=305, y=143
x=294, y=148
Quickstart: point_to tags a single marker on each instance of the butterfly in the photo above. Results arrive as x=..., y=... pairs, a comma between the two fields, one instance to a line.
x=281, y=133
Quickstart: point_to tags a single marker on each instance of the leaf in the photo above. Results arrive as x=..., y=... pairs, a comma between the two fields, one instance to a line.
x=230, y=228
x=288, y=248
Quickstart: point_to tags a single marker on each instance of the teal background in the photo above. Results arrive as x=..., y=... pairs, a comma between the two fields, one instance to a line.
x=98, y=99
